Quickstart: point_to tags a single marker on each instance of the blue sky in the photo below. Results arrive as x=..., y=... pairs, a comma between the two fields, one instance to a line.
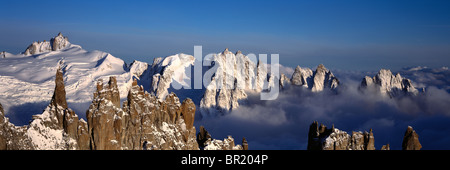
x=346, y=34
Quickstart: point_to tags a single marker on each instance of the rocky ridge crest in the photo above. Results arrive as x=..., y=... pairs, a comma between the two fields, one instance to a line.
x=388, y=84
x=322, y=138
x=143, y=122
x=316, y=81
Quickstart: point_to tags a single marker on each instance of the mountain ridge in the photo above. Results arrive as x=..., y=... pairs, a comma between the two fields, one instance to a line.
x=143, y=122
x=239, y=75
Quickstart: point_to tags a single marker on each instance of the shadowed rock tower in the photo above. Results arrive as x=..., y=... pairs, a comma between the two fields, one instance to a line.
x=411, y=140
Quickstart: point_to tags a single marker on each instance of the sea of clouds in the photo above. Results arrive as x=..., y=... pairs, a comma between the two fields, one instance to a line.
x=284, y=123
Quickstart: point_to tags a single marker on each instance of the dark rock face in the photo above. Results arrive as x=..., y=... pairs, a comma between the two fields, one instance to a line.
x=314, y=137
x=203, y=136
x=411, y=140
x=322, y=138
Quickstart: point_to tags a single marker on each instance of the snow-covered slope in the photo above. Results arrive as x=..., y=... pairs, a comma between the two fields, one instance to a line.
x=170, y=71
x=29, y=78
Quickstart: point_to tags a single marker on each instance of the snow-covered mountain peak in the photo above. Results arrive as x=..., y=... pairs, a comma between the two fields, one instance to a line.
x=171, y=69
x=323, y=78
x=389, y=84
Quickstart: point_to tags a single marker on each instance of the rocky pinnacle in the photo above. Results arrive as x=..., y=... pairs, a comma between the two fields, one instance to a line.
x=59, y=95
x=411, y=140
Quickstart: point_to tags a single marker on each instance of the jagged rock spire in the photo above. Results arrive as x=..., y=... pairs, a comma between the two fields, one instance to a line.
x=59, y=95
x=411, y=140
x=244, y=144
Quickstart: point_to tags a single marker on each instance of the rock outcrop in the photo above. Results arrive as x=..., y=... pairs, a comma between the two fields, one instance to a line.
x=12, y=137
x=3, y=122
x=316, y=81
x=322, y=138
x=388, y=84
x=206, y=142
x=225, y=144
x=143, y=122
x=411, y=140
x=202, y=136
x=59, y=42
x=302, y=77
x=244, y=144
x=56, y=43
x=386, y=147
x=3, y=54
x=38, y=47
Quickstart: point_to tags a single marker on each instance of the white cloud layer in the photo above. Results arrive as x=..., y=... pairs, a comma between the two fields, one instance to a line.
x=284, y=123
